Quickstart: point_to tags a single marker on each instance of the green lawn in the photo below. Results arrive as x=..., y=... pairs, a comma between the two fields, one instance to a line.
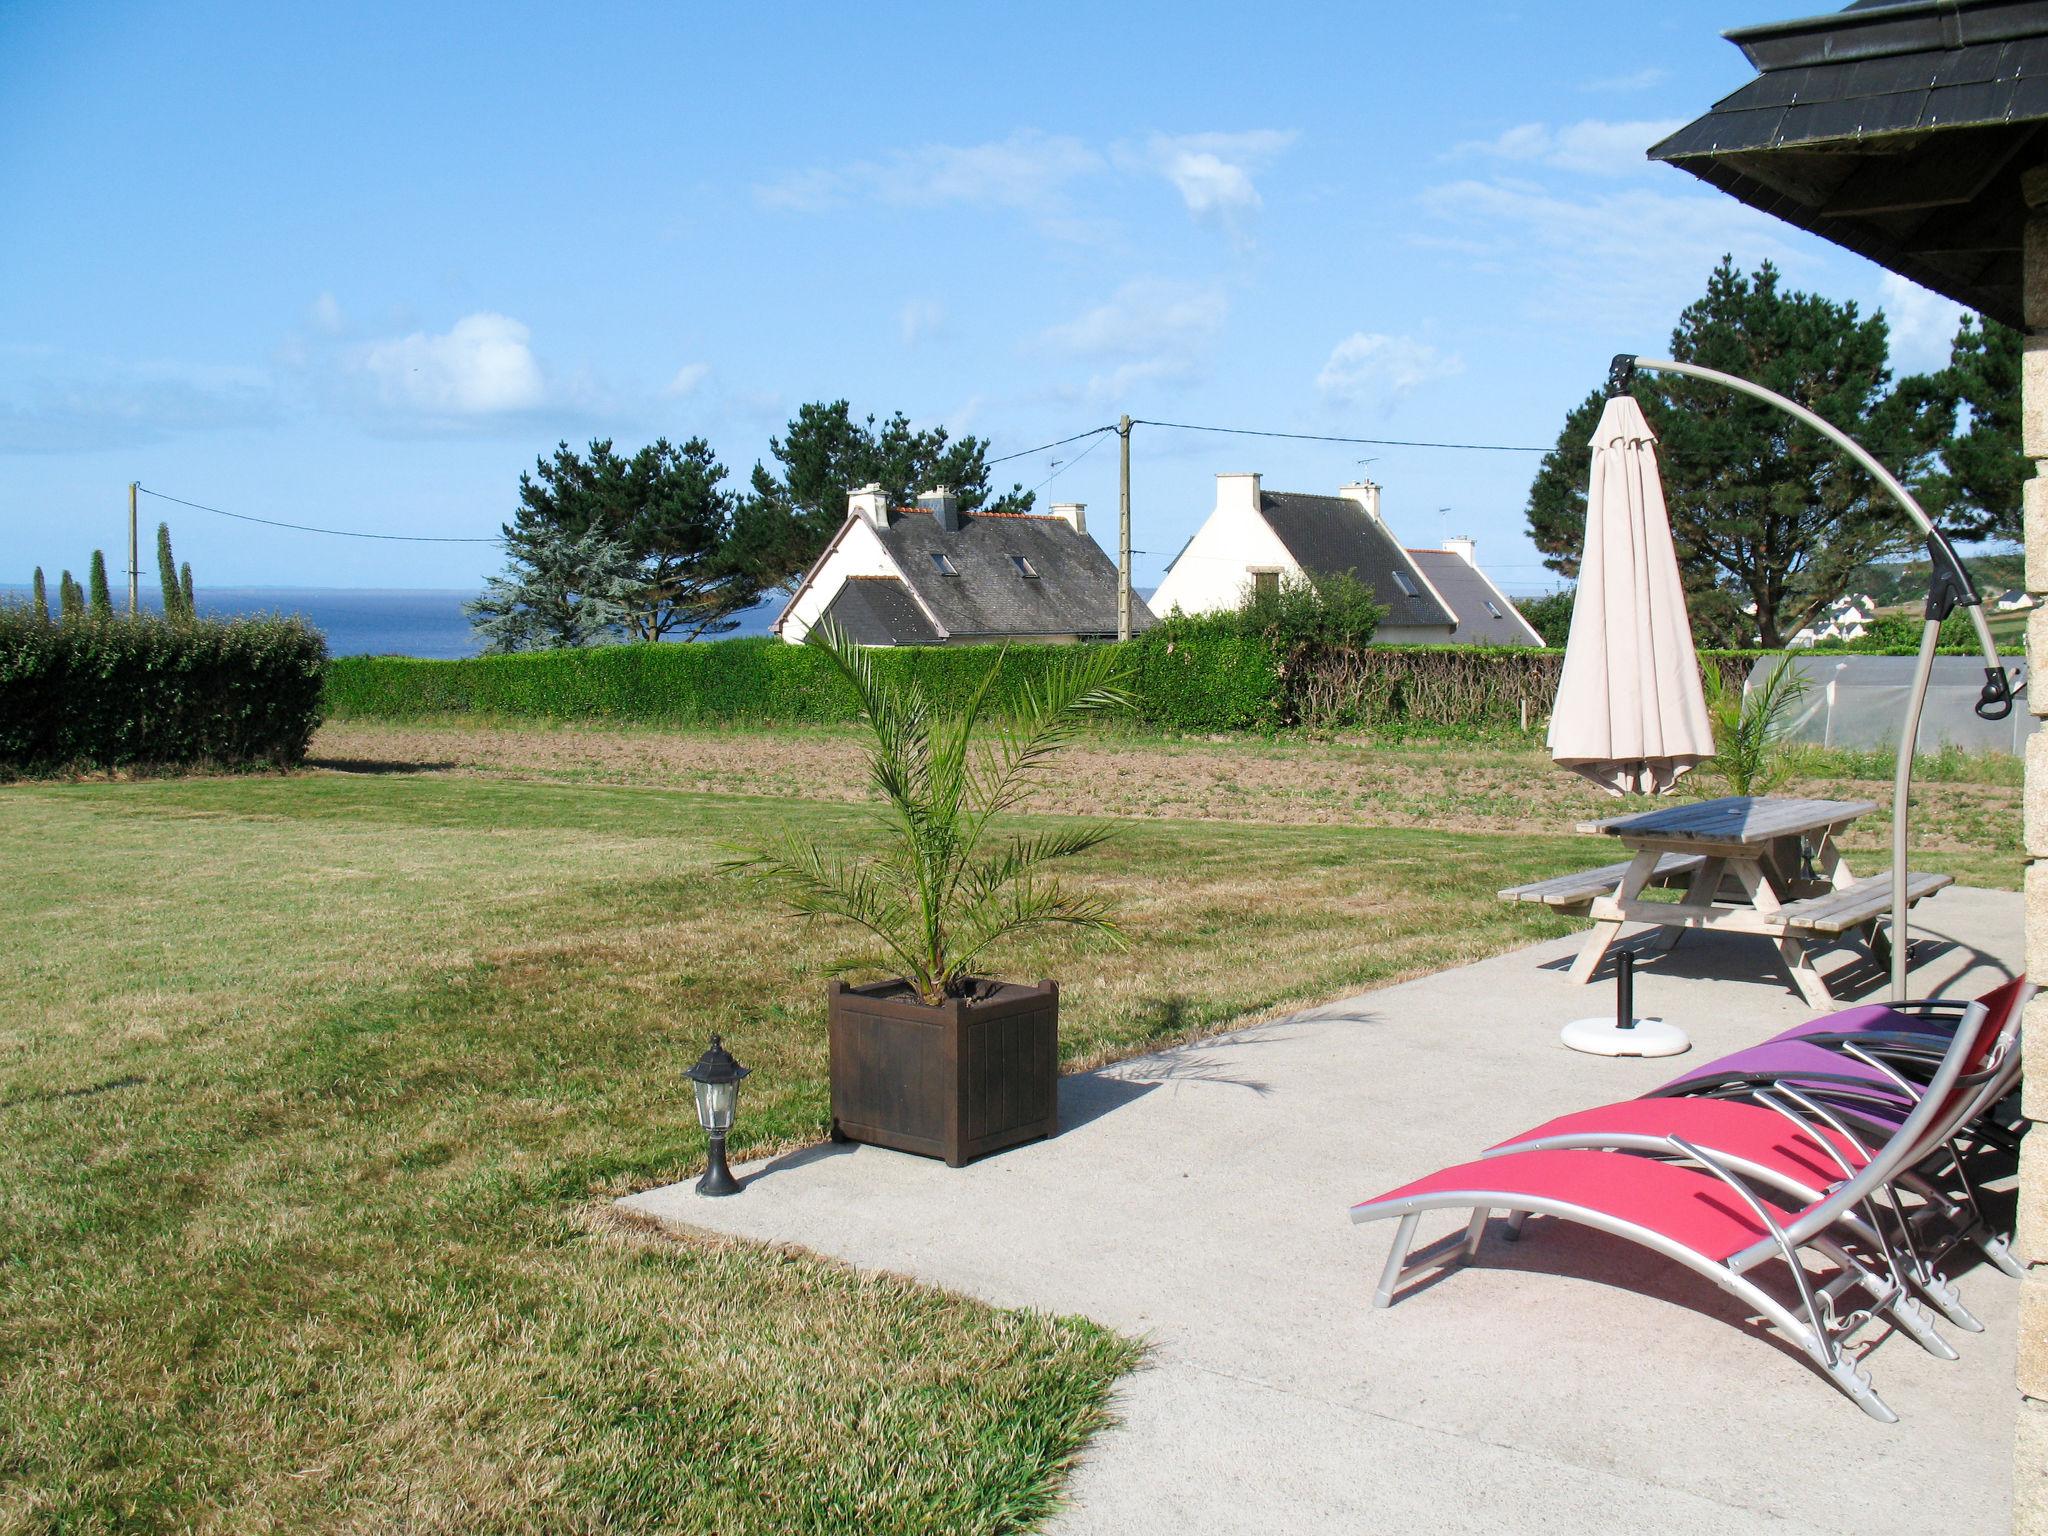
x=312, y=1088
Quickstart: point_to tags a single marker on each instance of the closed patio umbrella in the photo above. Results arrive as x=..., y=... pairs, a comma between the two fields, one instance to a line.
x=1629, y=714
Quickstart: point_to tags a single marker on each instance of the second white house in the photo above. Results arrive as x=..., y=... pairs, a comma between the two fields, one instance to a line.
x=1254, y=537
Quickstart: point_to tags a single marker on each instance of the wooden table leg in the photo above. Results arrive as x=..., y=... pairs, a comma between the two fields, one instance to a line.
x=1607, y=924
x=1699, y=892
x=1791, y=950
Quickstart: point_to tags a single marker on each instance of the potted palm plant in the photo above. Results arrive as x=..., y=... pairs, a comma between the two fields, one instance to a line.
x=939, y=1058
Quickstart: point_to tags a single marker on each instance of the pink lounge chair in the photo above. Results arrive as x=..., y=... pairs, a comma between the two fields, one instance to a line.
x=1706, y=1217
x=1867, y=1074
x=1794, y=1144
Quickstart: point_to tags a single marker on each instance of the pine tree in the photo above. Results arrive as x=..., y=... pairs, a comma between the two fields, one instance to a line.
x=42, y=595
x=1983, y=464
x=185, y=590
x=101, y=599
x=70, y=600
x=1763, y=511
x=167, y=574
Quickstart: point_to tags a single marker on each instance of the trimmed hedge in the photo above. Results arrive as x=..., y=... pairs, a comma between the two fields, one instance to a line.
x=1455, y=687
x=130, y=692
x=1193, y=683
x=1196, y=685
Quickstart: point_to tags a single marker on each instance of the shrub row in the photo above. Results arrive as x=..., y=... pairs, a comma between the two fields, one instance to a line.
x=129, y=692
x=1195, y=685
x=1443, y=686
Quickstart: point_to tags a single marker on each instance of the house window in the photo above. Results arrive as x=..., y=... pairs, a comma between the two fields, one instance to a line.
x=1407, y=586
x=1491, y=609
x=1024, y=568
x=1265, y=583
x=943, y=564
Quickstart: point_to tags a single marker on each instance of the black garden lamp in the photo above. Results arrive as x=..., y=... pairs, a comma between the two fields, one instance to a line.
x=716, y=1078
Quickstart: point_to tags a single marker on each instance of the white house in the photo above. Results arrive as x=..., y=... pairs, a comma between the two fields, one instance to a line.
x=936, y=574
x=1255, y=536
x=2014, y=601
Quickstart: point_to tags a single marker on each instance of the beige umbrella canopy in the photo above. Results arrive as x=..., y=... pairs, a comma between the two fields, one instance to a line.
x=1629, y=714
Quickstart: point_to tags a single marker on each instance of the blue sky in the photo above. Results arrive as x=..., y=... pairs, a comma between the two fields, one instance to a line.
x=357, y=265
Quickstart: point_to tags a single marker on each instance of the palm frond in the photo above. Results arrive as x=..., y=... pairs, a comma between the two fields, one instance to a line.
x=1028, y=903
x=815, y=885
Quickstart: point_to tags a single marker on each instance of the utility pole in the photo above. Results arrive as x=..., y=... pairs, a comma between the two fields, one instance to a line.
x=134, y=563
x=1123, y=531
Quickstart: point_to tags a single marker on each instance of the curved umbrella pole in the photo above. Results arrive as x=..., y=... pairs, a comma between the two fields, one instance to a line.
x=1951, y=585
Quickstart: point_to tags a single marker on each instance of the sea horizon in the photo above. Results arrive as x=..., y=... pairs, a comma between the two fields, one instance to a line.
x=423, y=622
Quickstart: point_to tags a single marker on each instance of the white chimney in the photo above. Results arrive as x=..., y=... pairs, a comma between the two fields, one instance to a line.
x=1366, y=494
x=1073, y=513
x=870, y=502
x=1465, y=549
x=1239, y=493
x=943, y=504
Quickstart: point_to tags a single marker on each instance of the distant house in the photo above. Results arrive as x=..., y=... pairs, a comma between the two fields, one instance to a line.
x=1254, y=537
x=934, y=574
x=1846, y=618
x=1485, y=614
x=2012, y=602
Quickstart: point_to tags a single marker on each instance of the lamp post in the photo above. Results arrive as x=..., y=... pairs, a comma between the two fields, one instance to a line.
x=716, y=1079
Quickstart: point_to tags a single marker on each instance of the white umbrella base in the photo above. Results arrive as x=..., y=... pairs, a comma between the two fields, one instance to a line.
x=1604, y=1037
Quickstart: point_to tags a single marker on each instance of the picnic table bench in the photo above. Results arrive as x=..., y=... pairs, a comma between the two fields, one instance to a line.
x=1763, y=865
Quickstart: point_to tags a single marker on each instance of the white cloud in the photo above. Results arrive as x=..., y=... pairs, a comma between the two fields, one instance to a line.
x=1151, y=331
x=1369, y=366
x=481, y=366
x=1029, y=169
x=1923, y=323
x=687, y=378
x=1633, y=80
x=920, y=318
x=1626, y=259
x=1590, y=147
x=1211, y=171
x=324, y=315
x=1038, y=173
x=52, y=402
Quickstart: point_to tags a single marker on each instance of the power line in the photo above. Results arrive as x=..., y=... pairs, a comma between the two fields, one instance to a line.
x=1077, y=458
x=339, y=533
x=1025, y=453
x=1318, y=437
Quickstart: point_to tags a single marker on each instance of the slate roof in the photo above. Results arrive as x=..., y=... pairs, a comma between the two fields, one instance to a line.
x=879, y=610
x=1327, y=534
x=1896, y=128
x=1074, y=592
x=1485, y=616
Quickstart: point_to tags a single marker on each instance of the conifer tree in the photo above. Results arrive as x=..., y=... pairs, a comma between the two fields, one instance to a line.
x=42, y=595
x=185, y=590
x=70, y=599
x=101, y=599
x=1771, y=521
x=167, y=574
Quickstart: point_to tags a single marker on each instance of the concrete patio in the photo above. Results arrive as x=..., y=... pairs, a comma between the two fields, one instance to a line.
x=1569, y=1383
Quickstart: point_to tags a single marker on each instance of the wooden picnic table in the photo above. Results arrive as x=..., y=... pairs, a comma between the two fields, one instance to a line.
x=1765, y=865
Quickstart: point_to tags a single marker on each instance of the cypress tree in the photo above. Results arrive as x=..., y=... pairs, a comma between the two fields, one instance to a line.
x=102, y=600
x=42, y=595
x=185, y=590
x=70, y=599
x=167, y=573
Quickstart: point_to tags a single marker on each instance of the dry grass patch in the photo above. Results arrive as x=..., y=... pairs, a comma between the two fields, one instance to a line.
x=1967, y=809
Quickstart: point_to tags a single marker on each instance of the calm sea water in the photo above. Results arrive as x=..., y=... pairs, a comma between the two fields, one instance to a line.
x=372, y=621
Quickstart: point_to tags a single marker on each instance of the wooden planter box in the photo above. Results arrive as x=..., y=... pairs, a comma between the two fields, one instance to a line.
x=958, y=1080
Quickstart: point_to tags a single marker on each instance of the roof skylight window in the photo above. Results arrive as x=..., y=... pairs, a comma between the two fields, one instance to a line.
x=943, y=564
x=1401, y=580
x=1024, y=568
